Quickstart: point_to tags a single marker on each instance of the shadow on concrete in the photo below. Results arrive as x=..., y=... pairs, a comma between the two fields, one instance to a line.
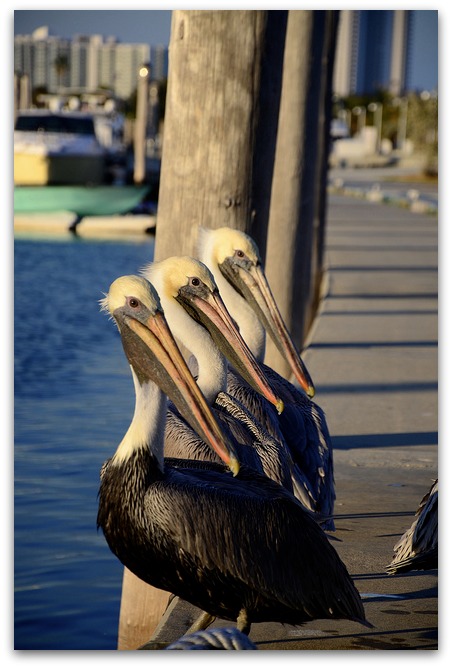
x=388, y=267
x=363, y=388
x=381, y=313
x=375, y=344
x=351, y=516
x=385, y=440
x=399, y=249
x=371, y=638
x=369, y=296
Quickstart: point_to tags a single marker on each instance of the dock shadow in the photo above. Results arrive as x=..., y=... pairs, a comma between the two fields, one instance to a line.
x=373, y=344
x=386, y=440
x=372, y=639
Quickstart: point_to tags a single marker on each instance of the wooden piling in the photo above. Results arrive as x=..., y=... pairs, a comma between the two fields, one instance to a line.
x=221, y=136
x=140, y=128
x=322, y=164
x=291, y=220
x=210, y=125
x=206, y=178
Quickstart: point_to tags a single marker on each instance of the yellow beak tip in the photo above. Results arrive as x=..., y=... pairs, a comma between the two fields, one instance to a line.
x=280, y=406
x=310, y=391
x=234, y=466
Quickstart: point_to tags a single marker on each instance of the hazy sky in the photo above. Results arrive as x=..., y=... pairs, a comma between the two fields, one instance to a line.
x=130, y=26
x=425, y=56
x=153, y=27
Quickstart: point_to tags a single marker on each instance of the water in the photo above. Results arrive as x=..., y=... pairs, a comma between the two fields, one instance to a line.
x=73, y=402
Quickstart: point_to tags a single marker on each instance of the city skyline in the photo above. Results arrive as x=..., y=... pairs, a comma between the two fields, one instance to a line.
x=130, y=26
x=153, y=27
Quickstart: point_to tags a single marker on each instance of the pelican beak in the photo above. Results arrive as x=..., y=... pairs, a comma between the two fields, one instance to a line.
x=210, y=310
x=160, y=360
x=250, y=281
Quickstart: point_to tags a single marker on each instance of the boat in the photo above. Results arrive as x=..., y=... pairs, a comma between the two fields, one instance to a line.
x=102, y=200
x=67, y=159
x=57, y=148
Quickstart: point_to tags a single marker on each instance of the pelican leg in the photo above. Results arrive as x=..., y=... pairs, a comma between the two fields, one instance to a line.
x=243, y=622
x=201, y=622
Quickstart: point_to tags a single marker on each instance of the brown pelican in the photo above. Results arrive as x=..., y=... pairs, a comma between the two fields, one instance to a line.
x=417, y=549
x=234, y=261
x=199, y=321
x=239, y=547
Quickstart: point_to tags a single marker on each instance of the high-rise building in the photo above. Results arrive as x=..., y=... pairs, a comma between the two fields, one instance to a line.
x=400, y=50
x=85, y=62
x=84, y=69
x=159, y=62
x=106, y=64
x=346, y=60
x=128, y=59
x=374, y=52
x=42, y=57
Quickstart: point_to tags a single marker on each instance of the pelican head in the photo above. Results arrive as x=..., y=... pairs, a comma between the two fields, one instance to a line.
x=236, y=257
x=154, y=356
x=190, y=284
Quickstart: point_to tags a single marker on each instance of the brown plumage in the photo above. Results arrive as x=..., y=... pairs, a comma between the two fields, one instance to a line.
x=239, y=547
x=417, y=549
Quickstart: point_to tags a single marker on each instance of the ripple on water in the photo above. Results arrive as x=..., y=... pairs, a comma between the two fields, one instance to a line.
x=73, y=402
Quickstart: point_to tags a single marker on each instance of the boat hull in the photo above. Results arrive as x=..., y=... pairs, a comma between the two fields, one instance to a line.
x=41, y=170
x=83, y=201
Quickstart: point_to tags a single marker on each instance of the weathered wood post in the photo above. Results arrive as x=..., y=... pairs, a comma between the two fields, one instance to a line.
x=266, y=134
x=16, y=95
x=290, y=233
x=25, y=92
x=210, y=122
x=141, y=120
x=209, y=154
x=321, y=182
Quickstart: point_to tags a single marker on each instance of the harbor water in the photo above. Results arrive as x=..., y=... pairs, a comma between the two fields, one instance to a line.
x=73, y=401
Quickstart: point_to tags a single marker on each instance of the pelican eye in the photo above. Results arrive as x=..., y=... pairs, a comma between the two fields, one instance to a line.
x=195, y=282
x=240, y=254
x=133, y=302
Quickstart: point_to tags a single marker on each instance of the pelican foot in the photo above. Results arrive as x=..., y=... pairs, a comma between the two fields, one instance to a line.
x=243, y=622
x=202, y=622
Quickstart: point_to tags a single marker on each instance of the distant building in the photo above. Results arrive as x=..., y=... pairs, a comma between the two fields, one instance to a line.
x=401, y=52
x=374, y=52
x=106, y=65
x=159, y=62
x=87, y=62
x=84, y=59
x=128, y=59
x=35, y=55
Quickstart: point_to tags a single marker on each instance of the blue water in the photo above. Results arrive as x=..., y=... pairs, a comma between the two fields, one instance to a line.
x=73, y=402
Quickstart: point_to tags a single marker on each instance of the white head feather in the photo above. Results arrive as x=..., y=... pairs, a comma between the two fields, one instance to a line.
x=213, y=247
x=168, y=276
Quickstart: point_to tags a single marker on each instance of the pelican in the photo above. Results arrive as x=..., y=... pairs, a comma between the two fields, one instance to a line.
x=234, y=260
x=240, y=547
x=417, y=549
x=199, y=320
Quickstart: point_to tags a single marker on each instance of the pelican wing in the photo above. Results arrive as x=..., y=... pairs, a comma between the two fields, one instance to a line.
x=417, y=549
x=303, y=431
x=252, y=540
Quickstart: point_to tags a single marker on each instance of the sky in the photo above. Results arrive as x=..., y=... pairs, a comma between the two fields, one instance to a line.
x=130, y=26
x=153, y=27
x=425, y=57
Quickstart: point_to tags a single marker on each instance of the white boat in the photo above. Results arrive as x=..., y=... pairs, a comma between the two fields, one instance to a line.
x=57, y=148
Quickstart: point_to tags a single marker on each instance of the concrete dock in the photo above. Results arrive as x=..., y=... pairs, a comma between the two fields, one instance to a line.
x=66, y=223
x=372, y=353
